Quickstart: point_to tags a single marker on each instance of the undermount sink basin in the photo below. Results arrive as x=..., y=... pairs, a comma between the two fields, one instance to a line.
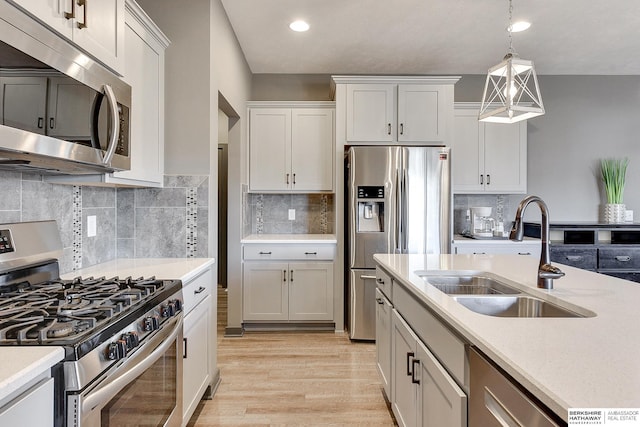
x=469, y=285
x=485, y=295
x=514, y=306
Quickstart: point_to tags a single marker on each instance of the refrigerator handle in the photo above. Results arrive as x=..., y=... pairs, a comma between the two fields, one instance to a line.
x=405, y=212
x=398, y=230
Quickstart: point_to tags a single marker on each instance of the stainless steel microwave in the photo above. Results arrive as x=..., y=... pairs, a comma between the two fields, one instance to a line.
x=60, y=111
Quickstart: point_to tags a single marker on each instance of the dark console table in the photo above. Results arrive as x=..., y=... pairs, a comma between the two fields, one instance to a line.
x=612, y=249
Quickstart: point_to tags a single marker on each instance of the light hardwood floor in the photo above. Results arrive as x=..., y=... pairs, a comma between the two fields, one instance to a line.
x=294, y=378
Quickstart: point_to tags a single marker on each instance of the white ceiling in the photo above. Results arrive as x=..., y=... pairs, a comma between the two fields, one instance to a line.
x=436, y=36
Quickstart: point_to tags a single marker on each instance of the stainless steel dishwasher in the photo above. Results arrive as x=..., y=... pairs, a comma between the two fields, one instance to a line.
x=495, y=400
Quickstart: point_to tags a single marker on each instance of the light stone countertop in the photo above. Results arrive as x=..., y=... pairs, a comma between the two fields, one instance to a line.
x=565, y=362
x=163, y=268
x=290, y=238
x=21, y=365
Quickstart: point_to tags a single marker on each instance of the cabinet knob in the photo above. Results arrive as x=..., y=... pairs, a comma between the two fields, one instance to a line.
x=379, y=301
x=409, y=356
x=284, y=275
x=488, y=179
x=287, y=179
x=401, y=128
x=481, y=179
x=413, y=371
x=388, y=128
x=294, y=179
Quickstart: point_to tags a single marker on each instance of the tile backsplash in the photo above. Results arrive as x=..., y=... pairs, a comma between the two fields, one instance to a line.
x=503, y=208
x=269, y=213
x=131, y=222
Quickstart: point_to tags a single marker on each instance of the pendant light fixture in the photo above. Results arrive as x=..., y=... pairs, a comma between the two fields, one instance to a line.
x=511, y=91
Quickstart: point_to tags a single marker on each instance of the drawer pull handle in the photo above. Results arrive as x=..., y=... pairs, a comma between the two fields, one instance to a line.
x=367, y=277
x=409, y=356
x=623, y=258
x=200, y=290
x=264, y=253
x=184, y=341
x=413, y=373
x=291, y=276
x=311, y=253
x=524, y=253
x=379, y=301
x=574, y=258
x=284, y=275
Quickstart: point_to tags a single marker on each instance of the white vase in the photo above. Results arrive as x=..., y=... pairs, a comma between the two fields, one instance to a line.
x=614, y=213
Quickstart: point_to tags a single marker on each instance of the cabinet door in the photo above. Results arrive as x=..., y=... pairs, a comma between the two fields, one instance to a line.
x=102, y=32
x=419, y=115
x=34, y=408
x=265, y=292
x=52, y=13
x=505, y=157
x=312, y=149
x=383, y=340
x=403, y=392
x=195, y=372
x=144, y=71
x=65, y=122
x=270, y=149
x=24, y=102
x=311, y=291
x=441, y=401
x=467, y=159
x=371, y=113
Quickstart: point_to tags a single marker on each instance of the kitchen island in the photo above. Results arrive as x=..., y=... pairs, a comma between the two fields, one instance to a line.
x=589, y=362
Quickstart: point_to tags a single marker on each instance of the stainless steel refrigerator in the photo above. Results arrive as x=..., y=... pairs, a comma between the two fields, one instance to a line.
x=398, y=201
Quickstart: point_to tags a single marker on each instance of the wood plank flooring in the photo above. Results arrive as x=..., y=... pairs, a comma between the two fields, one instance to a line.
x=294, y=378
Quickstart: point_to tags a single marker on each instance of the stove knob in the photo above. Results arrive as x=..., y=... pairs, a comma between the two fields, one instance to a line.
x=151, y=323
x=178, y=304
x=131, y=339
x=168, y=310
x=117, y=350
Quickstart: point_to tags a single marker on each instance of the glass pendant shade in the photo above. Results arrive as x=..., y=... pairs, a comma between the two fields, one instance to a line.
x=511, y=92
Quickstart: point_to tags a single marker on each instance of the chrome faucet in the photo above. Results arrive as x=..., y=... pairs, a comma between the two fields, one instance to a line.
x=546, y=271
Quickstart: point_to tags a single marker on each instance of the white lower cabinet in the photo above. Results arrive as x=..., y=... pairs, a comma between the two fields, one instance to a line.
x=506, y=247
x=422, y=391
x=33, y=408
x=199, y=340
x=384, y=311
x=288, y=282
x=281, y=291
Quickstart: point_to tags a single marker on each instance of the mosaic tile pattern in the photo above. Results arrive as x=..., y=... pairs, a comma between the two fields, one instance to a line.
x=192, y=222
x=77, y=227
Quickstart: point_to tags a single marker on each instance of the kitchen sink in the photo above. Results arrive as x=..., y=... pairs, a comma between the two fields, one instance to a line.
x=469, y=285
x=514, y=306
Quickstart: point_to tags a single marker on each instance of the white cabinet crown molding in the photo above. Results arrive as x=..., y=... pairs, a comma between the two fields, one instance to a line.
x=291, y=104
x=141, y=17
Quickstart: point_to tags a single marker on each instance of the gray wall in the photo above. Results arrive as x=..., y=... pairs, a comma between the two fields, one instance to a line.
x=587, y=118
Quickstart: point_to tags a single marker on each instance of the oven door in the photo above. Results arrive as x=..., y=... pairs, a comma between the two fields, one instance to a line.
x=144, y=390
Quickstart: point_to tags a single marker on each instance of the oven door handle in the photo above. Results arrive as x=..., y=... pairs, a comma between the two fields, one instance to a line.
x=118, y=380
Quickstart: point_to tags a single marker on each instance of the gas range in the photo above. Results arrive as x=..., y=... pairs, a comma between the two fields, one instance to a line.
x=81, y=313
x=117, y=333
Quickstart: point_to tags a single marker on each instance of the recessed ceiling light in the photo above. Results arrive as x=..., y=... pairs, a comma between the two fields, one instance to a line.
x=299, y=26
x=520, y=26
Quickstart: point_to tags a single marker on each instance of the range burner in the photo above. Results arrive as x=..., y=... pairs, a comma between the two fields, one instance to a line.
x=64, y=311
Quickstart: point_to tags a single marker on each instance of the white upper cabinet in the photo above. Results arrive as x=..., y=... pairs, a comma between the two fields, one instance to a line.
x=144, y=71
x=405, y=110
x=291, y=147
x=487, y=157
x=95, y=26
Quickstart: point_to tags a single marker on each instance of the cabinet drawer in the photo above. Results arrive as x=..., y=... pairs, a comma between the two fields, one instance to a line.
x=197, y=290
x=308, y=252
x=585, y=258
x=620, y=258
x=383, y=282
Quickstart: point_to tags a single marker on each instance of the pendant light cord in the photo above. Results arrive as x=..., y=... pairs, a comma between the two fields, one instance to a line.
x=510, y=27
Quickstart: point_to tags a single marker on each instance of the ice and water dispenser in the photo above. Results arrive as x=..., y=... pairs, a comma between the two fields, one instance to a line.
x=370, y=209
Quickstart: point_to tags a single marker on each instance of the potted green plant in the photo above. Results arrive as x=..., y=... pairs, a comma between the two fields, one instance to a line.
x=613, y=176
